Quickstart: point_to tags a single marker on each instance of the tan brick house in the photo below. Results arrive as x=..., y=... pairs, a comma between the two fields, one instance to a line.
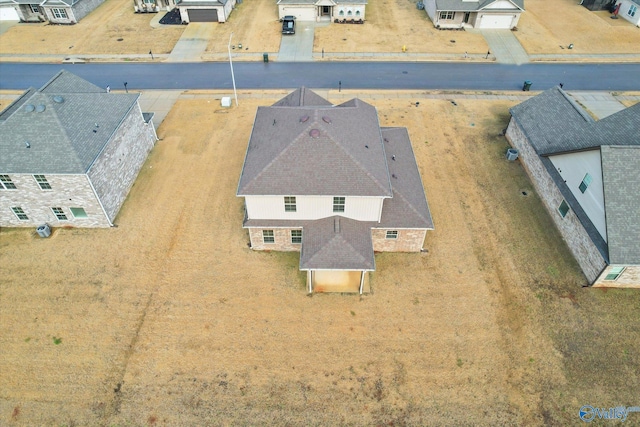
x=69, y=154
x=329, y=182
x=587, y=173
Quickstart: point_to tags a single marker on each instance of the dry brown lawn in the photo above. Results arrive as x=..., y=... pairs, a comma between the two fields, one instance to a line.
x=254, y=24
x=97, y=33
x=392, y=24
x=170, y=319
x=550, y=26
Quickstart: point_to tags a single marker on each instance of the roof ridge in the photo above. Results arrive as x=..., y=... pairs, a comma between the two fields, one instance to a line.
x=576, y=106
x=51, y=80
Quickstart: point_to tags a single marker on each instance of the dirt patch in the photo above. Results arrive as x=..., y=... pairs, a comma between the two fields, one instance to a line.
x=551, y=29
x=112, y=28
x=170, y=319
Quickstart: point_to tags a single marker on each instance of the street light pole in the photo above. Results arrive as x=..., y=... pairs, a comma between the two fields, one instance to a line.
x=233, y=79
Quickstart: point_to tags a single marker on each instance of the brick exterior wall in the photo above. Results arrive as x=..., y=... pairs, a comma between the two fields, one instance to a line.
x=282, y=240
x=579, y=242
x=630, y=277
x=409, y=240
x=66, y=191
x=116, y=168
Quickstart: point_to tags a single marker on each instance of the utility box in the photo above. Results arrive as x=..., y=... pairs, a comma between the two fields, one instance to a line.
x=43, y=230
x=226, y=101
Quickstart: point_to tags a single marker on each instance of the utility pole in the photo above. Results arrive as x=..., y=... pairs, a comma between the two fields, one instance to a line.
x=233, y=79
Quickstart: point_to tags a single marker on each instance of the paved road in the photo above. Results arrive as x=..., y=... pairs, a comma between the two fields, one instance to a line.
x=326, y=75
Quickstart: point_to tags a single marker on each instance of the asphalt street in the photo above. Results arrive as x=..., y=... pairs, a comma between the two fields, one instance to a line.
x=327, y=75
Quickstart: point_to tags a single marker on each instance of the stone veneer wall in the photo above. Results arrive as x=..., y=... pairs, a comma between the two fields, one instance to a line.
x=116, y=168
x=282, y=240
x=630, y=277
x=409, y=240
x=67, y=191
x=570, y=227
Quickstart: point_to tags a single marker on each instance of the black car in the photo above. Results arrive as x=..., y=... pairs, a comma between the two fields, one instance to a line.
x=289, y=24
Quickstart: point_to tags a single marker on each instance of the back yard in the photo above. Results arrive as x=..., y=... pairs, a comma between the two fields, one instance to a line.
x=170, y=319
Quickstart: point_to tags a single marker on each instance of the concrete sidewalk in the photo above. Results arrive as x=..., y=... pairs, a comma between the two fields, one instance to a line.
x=601, y=104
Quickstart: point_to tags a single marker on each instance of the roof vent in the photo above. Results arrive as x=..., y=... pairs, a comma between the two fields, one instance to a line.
x=40, y=108
x=58, y=99
x=29, y=108
x=314, y=133
x=326, y=119
x=303, y=119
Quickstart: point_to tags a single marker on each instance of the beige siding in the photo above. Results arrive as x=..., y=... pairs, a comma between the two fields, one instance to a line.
x=67, y=191
x=313, y=207
x=408, y=240
x=570, y=227
x=117, y=167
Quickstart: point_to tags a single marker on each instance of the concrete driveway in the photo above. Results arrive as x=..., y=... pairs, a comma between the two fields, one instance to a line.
x=299, y=46
x=505, y=46
x=193, y=42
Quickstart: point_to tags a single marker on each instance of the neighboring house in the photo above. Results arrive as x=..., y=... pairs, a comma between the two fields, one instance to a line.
x=629, y=10
x=205, y=10
x=323, y=10
x=8, y=11
x=329, y=182
x=483, y=14
x=587, y=173
x=69, y=153
x=55, y=11
x=152, y=6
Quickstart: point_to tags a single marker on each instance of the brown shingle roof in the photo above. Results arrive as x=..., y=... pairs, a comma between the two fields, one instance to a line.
x=317, y=150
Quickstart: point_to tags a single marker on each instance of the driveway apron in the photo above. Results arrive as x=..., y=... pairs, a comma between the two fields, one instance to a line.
x=505, y=46
x=192, y=43
x=299, y=46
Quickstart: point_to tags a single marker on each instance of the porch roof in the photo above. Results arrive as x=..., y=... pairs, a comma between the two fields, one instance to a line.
x=337, y=243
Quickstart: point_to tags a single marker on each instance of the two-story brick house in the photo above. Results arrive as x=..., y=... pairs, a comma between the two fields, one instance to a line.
x=329, y=182
x=69, y=154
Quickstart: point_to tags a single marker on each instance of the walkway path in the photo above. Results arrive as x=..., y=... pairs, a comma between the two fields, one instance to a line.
x=601, y=104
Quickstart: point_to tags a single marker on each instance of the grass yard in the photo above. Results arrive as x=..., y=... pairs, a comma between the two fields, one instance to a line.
x=112, y=28
x=549, y=27
x=170, y=319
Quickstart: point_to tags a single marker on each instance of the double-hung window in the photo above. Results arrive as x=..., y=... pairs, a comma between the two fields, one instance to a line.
x=289, y=204
x=59, y=13
x=392, y=234
x=296, y=236
x=42, y=182
x=20, y=213
x=6, y=183
x=447, y=15
x=632, y=10
x=59, y=213
x=268, y=237
x=338, y=204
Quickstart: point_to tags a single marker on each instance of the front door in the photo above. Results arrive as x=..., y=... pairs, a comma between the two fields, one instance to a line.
x=326, y=11
x=466, y=17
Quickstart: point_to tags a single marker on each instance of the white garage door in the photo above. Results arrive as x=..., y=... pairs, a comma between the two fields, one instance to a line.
x=495, y=21
x=8, y=14
x=302, y=13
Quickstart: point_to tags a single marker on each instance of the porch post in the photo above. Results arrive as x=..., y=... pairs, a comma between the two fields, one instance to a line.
x=362, y=281
x=310, y=281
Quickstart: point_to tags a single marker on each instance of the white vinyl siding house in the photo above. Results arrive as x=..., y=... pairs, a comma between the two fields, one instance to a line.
x=313, y=207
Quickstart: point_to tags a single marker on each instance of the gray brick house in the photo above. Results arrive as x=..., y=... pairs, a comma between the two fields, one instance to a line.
x=69, y=154
x=54, y=11
x=587, y=173
x=329, y=182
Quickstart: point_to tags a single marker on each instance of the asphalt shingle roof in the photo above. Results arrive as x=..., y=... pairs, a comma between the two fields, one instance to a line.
x=470, y=6
x=66, y=124
x=554, y=124
x=621, y=178
x=337, y=243
x=408, y=208
x=316, y=150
